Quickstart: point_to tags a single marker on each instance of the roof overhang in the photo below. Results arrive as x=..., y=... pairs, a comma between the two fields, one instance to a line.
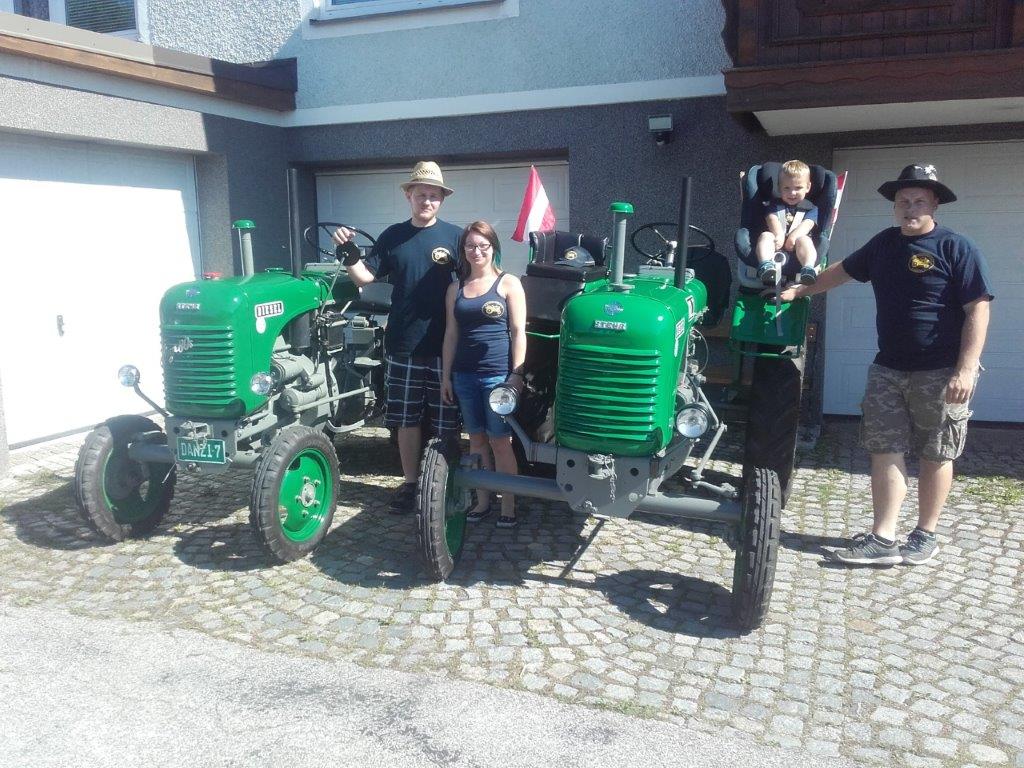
x=270, y=85
x=871, y=94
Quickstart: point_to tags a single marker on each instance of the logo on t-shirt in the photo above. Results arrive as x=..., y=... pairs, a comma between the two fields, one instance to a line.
x=493, y=309
x=441, y=256
x=921, y=262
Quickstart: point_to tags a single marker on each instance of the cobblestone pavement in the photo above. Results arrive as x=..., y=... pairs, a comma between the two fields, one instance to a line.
x=901, y=666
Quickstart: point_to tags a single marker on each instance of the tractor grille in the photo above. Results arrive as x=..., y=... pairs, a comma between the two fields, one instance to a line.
x=606, y=394
x=199, y=369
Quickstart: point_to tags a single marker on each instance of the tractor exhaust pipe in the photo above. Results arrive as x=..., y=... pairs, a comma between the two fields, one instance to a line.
x=299, y=328
x=684, y=233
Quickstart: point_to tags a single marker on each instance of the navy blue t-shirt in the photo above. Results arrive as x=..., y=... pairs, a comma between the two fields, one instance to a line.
x=419, y=263
x=484, y=346
x=921, y=285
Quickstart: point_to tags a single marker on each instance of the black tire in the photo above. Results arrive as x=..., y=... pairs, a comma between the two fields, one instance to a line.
x=440, y=510
x=294, y=493
x=120, y=498
x=773, y=417
x=758, y=549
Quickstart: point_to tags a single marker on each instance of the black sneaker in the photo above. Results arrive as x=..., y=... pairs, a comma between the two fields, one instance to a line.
x=808, y=276
x=766, y=273
x=921, y=548
x=402, y=500
x=867, y=549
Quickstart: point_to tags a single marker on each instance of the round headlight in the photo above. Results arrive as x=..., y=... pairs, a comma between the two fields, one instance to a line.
x=261, y=383
x=693, y=421
x=502, y=400
x=128, y=375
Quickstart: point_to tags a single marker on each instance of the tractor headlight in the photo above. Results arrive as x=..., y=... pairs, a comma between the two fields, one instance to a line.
x=261, y=383
x=128, y=375
x=693, y=420
x=502, y=400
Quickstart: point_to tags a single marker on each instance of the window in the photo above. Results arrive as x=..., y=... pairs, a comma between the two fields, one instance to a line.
x=346, y=9
x=116, y=17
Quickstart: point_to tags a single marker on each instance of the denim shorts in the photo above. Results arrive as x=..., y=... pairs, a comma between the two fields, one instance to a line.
x=472, y=391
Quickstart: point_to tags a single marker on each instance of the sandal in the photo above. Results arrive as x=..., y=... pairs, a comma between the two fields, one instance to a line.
x=507, y=521
x=476, y=515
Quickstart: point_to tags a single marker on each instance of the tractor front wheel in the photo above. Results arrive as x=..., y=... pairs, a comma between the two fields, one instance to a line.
x=440, y=510
x=758, y=548
x=773, y=417
x=294, y=493
x=118, y=497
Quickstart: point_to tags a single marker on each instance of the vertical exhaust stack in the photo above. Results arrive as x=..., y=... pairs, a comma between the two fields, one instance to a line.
x=684, y=233
x=299, y=328
x=620, y=216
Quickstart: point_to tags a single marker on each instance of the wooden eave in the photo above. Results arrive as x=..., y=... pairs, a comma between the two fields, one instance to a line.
x=924, y=77
x=270, y=85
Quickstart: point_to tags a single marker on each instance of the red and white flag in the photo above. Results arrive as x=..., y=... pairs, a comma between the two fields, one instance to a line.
x=536, y=214
x=840, y=183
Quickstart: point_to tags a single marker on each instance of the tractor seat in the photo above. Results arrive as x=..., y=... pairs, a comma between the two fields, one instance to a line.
x=374, y=299
x=565, y=256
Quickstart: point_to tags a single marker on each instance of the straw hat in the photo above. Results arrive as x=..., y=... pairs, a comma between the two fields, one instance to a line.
x=427, y=172
x=923, y=176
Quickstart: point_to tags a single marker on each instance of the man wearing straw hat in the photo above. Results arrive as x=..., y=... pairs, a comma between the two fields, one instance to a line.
x=418, y=256
x=932, y=297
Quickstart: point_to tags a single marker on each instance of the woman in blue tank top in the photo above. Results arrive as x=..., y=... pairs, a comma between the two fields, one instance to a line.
x=484, y=346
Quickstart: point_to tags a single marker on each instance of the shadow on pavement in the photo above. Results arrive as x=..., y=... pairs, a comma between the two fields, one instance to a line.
x=51, y=521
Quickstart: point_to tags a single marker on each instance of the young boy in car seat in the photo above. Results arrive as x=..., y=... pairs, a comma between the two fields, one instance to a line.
x=789, y=220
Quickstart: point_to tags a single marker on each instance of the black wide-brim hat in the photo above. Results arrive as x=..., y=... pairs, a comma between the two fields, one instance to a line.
x=923, y=176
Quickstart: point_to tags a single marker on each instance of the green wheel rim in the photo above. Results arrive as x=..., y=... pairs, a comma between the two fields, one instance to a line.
x=132, y=490
x=454, y=516
x=306, y=490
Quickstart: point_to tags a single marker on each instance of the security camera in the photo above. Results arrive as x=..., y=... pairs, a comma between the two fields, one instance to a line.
x=661, y=127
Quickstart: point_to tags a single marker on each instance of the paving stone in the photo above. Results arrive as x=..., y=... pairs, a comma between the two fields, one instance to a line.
x=915, y=667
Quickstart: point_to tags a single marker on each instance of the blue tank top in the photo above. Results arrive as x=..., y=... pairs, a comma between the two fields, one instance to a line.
x=483, y=347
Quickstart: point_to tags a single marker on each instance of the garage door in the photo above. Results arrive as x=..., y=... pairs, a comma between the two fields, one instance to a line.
x=989, y=182
x=92, y=236
x=373, y=200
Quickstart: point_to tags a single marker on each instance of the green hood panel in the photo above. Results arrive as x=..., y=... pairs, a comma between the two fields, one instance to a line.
x=620, y=355
x=216, y=334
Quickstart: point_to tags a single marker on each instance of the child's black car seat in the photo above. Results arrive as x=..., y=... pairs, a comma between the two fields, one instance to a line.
x=760, y=186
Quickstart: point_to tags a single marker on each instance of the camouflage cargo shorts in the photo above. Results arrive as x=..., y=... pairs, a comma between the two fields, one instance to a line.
x=907, y=410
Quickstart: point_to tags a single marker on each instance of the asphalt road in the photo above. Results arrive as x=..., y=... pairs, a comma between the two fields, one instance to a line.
x=93, y=692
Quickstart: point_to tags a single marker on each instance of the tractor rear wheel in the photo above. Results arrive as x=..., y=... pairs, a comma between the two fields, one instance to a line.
x=773, y=417
x=118, y=497
x=440, y=510
x=294, y=493
x=758, y=548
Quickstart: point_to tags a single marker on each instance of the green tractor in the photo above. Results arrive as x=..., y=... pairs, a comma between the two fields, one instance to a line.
x=624, y=409
x=260, y=371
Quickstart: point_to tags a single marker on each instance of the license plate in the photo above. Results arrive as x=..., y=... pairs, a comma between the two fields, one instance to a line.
x=205, y=452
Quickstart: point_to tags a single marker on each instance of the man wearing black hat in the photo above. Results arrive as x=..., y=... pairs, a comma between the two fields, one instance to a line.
x=932, y=301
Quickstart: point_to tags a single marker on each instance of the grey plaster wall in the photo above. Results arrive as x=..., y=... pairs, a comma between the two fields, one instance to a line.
x=611, y=155
x=550, y=44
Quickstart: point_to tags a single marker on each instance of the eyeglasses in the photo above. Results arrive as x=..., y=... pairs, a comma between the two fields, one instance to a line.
x=485, y=248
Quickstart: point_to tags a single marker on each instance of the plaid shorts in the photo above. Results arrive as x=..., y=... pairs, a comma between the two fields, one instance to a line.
x=907, y=410
x=412, y=383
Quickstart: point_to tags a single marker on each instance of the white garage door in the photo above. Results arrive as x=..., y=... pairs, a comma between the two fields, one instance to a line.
x=92, y=236
x=988, y=180
x=372, y=200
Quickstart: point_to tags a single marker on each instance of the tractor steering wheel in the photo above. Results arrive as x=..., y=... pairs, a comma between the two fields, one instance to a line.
x=654, y=242
x=311, y=236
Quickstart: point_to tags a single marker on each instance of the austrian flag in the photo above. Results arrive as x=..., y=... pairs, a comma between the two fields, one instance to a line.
x=536, y=214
